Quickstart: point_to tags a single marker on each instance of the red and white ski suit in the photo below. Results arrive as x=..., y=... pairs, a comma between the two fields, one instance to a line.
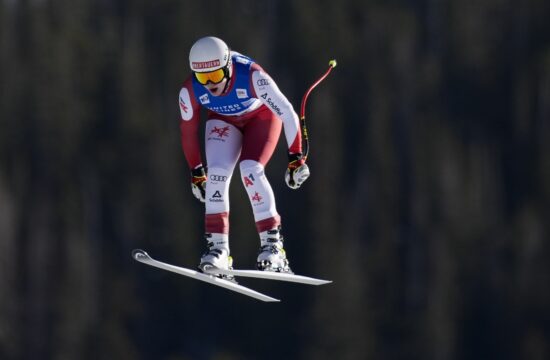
x=248, y=138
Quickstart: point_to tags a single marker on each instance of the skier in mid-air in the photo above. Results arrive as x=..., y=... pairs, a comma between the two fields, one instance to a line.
x=246, y=111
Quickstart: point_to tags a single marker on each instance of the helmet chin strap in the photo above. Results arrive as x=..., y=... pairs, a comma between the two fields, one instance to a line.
x=229, y=71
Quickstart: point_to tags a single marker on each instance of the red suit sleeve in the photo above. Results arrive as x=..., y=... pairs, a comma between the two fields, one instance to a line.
x=189, y=124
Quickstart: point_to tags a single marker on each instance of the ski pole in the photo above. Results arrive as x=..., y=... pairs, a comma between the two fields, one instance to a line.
x=332, y=65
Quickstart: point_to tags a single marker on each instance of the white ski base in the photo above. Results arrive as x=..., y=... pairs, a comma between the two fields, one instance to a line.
x=271, y=275
x=143, y=257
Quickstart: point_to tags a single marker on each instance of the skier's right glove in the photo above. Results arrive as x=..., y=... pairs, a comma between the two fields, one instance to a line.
x=198, y=182
x=297, y=171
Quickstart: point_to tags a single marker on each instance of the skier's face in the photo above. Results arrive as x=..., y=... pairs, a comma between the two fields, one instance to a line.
x=217, y=89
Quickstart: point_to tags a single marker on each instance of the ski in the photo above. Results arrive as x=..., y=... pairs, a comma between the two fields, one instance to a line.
x=271, y=275
x=144, y=258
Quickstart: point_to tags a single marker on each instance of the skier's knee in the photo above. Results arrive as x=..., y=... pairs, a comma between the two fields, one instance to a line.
x=217, y=189
x=218, y=175
x=251, y=171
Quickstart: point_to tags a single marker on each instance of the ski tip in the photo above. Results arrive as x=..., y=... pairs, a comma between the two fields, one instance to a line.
x=139, y=254
x=324, y=282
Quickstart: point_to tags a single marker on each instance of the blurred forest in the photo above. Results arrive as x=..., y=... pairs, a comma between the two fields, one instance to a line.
x=430, y=159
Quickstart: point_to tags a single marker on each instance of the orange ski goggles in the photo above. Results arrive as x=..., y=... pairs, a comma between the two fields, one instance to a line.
x=214, y=77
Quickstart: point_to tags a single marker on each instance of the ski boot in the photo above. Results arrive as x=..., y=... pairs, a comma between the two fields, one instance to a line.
x=216, y=255
x=272, y=255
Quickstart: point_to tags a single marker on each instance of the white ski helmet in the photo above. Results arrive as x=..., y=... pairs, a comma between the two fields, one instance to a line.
x=209, y=54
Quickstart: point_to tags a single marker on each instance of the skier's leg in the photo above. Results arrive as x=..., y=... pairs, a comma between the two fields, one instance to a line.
x=222, y=147
x=260, y=194
x=260, y=138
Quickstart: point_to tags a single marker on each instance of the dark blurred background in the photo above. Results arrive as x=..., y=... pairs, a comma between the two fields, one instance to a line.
x=428, y=204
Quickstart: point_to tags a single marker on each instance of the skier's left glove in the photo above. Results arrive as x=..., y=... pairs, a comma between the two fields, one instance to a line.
x=198, y=182
x=297, y=171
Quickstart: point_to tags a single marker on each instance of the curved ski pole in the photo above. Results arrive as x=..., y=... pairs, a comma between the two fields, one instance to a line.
x=332, y=65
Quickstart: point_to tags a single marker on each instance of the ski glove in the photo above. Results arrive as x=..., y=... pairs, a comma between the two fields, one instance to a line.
x=198, y=182
x=297, y=171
